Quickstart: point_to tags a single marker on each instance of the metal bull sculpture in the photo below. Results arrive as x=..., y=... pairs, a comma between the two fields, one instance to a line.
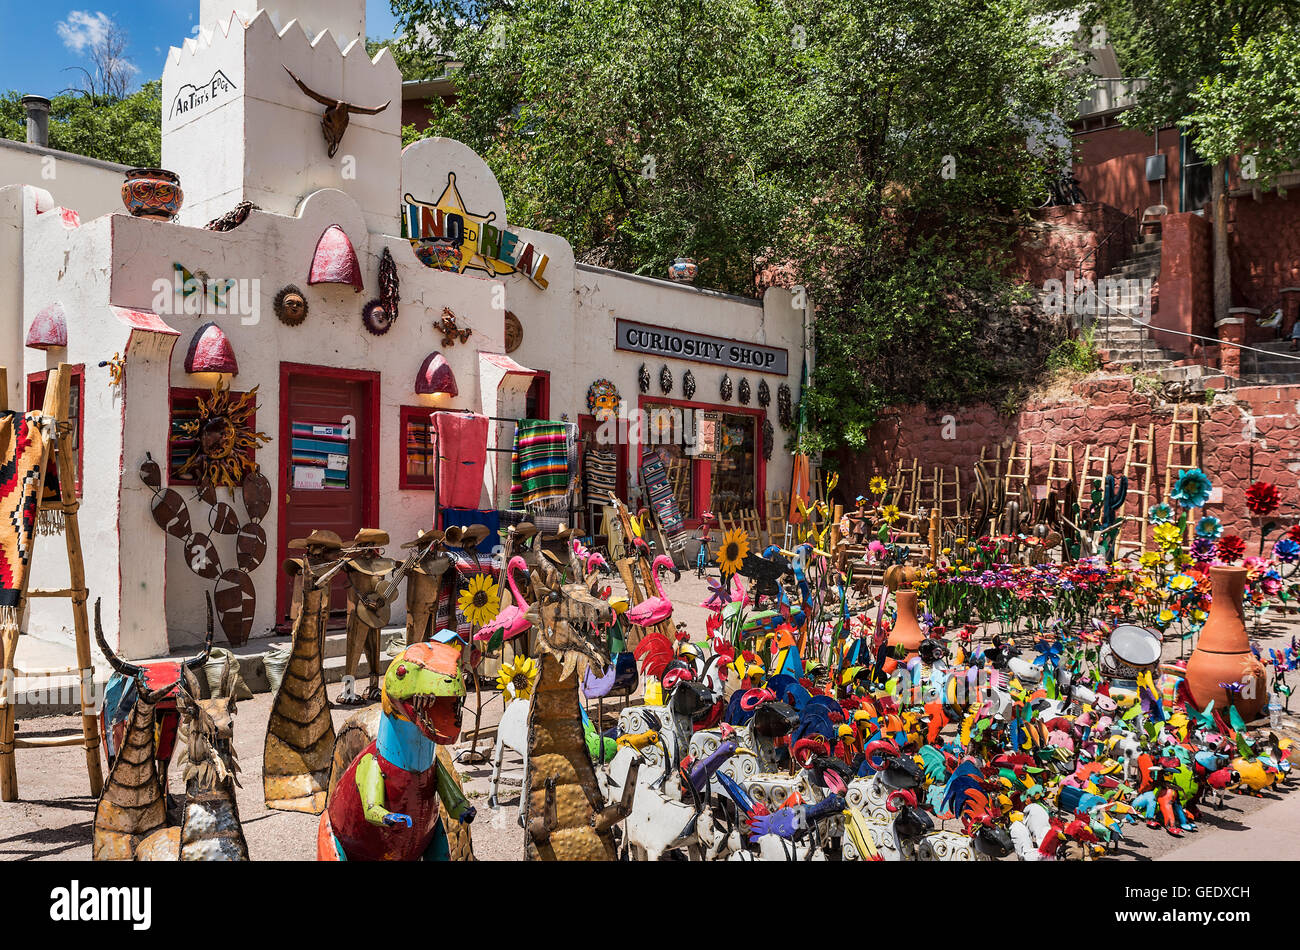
x=132, y=805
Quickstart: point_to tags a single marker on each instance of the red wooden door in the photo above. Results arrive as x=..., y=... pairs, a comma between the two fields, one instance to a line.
x=328, y=461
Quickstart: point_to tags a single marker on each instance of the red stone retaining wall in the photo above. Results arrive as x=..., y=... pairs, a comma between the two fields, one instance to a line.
x=1251, y=434
x=1062, y=238
x=1264, y=250
x=1185, y=287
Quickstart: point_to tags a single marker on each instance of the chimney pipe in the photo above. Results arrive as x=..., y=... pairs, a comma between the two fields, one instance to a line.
x=38, y=120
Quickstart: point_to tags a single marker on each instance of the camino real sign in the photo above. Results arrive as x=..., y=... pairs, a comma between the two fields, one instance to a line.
x=701, y=348
x=446, y=235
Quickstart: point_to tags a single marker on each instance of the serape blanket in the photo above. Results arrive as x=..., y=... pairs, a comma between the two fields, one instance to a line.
x=539, y=465
x=22, y=443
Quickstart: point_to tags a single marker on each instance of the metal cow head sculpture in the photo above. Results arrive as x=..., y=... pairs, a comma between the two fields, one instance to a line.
x=334, y=123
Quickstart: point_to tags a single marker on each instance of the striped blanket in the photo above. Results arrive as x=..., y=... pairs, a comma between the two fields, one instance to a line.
x=21, y=445
x=539, y=465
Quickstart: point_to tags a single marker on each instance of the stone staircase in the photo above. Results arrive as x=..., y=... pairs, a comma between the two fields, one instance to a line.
x=1125, y=345
x=1279, y=367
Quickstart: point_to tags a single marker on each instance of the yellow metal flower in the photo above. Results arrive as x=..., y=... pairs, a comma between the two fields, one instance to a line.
x=878, y=485
x=735, y=545
x=480, y=601
x=1149, y=559
x=517, y=678
x=1167, y=535
x=890, y=514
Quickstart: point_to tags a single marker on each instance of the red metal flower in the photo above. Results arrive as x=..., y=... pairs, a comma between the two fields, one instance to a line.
x=1230, y=548
x=1262, y=498
x=1293, y=532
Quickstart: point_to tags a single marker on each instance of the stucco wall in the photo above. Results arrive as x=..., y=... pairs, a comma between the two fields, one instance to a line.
x=89, y=187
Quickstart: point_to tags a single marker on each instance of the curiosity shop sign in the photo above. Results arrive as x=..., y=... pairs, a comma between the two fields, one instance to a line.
x=735, y=354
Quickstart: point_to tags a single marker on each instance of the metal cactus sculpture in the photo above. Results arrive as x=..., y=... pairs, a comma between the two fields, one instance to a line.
x=1099, y=525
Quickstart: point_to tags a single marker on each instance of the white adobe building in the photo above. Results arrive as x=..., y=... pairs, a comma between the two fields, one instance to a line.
x=236, y=127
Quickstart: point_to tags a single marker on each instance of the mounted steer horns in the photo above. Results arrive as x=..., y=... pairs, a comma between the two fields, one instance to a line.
x=335, y=121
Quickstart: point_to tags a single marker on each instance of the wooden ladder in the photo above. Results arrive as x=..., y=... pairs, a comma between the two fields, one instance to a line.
x=1017, y=482
x=927, y=491
x=949, y=496
x=990, y=463
x=1095, y=466
x=56, y=406
x=1184, y=451
x=903, y=486
x=1060, y=469
x=1139, y=469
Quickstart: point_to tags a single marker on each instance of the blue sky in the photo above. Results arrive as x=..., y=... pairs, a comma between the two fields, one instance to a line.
x=41, y=40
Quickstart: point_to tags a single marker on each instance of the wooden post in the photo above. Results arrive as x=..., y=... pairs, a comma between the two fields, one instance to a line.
x=936, y=519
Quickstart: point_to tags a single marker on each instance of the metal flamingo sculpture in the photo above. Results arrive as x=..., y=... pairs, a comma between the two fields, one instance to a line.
x=655, y=610
x=512, y=620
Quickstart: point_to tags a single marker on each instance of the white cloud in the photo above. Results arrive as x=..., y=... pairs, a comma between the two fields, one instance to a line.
x=83, y=30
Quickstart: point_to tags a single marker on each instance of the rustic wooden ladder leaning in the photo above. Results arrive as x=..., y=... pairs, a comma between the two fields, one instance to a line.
x=1184, y=450
x=56, y=406
x=1139, y=467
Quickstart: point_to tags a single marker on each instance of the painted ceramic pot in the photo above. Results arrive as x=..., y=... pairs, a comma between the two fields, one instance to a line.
x=907, y=631
x=152, y=193
x=1222, y=653
x=682, y=270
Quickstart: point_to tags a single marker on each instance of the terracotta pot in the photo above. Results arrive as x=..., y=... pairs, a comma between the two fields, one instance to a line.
x=1222, y=654
x=907, y=632
x=683, y=270
x=153, y=193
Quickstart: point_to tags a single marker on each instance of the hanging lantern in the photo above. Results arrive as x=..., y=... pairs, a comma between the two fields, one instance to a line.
x=764, y=394
x=725, y=389
x=688, y=384
x=744, y=392
x=643, y=378
x=665, y=380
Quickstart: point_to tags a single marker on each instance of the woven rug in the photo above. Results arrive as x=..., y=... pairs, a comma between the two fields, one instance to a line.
x=539, y=465
x=21, y=445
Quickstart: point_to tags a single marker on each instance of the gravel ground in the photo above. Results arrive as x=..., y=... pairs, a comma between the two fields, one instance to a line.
x=53, y=821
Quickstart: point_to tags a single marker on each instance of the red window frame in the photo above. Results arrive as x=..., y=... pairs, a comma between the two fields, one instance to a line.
x=405, y=481
x=186, y=393
x=36, y=387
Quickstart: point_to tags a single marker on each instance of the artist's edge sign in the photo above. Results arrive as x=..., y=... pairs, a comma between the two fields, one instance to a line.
x=701, y=348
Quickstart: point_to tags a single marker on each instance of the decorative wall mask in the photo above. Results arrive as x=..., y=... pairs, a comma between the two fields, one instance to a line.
x=376, y=318
x=334, y=123
x=514, y=332
x=290, y=306
x=225, y=439
x=450, y=332
x=725, y=389
x=234, y=594
x=602, y=398
x=744, y=392
x=769, y=439
x=688, y=384
x=643, y=378
x=784, y=408
x=764, y=394
x=665, y=380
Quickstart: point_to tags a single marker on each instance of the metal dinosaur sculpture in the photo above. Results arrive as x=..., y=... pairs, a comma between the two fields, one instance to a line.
x=564, y=814
x=387, y=803
x=210, y=829
x=133, y=805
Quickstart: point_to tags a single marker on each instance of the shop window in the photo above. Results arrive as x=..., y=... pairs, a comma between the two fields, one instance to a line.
x=419, y=464
x=36, y=387
x=184, y=404
x=735, y=473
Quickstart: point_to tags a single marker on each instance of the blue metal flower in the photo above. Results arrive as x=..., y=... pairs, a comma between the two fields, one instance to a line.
x=1160, y=514
x=1286, y=550
x=1209, y=527
x=1192, y=489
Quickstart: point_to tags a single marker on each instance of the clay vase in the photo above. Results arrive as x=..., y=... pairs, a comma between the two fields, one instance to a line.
x=153, y=193
x=1222, y=654
x=906, y=632
x=683, y=270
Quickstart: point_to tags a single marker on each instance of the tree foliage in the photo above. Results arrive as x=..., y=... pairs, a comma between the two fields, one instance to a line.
x=126, y=130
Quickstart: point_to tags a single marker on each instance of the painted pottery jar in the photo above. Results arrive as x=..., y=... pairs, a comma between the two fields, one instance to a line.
x=152, y=193
x=1222, y=653
x=682, y=270
x=906, y=631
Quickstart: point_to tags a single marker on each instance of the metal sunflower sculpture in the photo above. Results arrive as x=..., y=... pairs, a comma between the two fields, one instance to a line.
x=225, y=439
x=480, y=601
x=735, y=545
x=517, y=678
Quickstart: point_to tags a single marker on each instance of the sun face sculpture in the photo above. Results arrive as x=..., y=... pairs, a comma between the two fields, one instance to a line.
x=226, y=439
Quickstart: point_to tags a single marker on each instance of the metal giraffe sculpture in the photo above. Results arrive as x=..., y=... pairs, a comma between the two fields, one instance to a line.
x=337, y=113
x=564, y=813
x=299, y=746
x=132, y=805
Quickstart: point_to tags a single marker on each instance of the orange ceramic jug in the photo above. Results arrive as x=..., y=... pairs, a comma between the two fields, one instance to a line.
x=1222, y=654
x=906, y=632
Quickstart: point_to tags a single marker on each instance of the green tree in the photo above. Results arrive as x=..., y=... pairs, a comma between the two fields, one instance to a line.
x=125, y=130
